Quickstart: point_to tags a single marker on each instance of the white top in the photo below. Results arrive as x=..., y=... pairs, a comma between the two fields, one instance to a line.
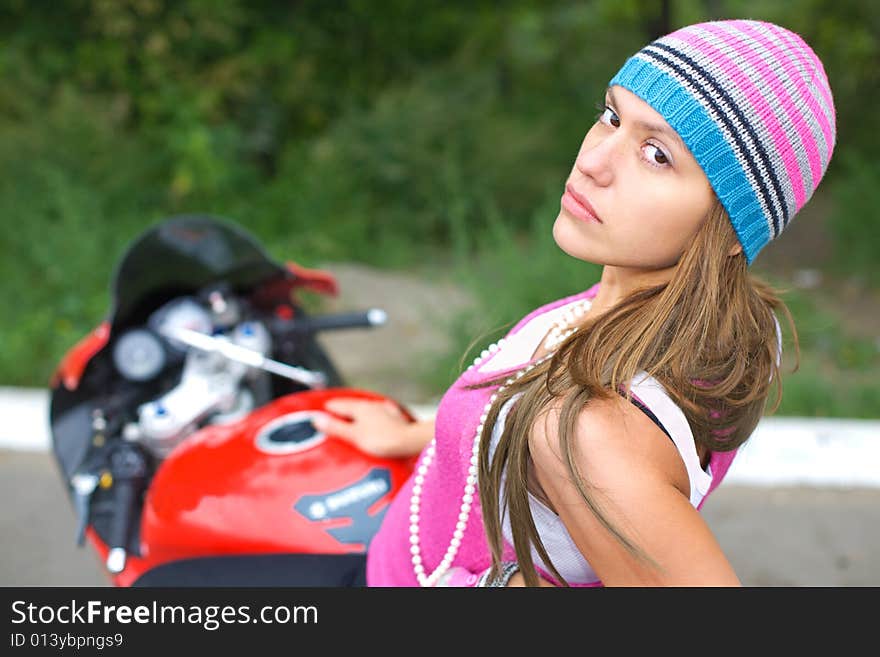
x=561, y=548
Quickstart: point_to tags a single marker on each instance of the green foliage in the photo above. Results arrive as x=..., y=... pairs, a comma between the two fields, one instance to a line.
x=57, y=231
x=855, y=230
x=817, y=390
x=396, y=133
x=836, y=372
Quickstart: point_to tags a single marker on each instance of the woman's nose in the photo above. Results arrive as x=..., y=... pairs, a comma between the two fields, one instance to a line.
x=597, y=159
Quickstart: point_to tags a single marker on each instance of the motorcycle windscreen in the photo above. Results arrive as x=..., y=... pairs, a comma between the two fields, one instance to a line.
x=182, y=255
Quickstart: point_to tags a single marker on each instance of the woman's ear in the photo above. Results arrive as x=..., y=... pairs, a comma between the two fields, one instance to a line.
x=735, y=250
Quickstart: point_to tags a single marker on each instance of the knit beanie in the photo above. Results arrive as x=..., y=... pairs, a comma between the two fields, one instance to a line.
x=752, y=103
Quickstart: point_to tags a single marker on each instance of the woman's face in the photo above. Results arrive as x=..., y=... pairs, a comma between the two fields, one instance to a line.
x=647, y=190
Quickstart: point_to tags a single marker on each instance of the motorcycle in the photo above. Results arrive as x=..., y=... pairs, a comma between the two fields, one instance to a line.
x=182, y=425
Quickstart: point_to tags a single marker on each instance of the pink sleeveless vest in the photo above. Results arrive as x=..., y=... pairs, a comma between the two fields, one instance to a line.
x=389, y=558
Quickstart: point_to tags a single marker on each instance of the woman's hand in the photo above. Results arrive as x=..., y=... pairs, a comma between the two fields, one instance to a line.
x=378, y=428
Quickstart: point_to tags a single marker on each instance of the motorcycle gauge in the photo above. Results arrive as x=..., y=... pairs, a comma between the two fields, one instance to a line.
x=184, y=312
x=139, y=355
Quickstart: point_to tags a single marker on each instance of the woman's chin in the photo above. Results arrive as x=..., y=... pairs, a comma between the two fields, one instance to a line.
x=570, y=241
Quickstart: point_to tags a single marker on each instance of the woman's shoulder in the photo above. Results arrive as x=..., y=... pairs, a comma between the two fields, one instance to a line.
x=615, y=444
x=636, y=489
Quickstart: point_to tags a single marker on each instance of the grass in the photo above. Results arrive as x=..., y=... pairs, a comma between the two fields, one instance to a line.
x=458, y=169
x=837, y=372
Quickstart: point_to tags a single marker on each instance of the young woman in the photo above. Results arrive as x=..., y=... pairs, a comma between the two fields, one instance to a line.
x=579, y=449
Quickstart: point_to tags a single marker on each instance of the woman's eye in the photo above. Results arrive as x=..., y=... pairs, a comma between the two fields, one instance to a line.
x=607, y=116
x=657, y=157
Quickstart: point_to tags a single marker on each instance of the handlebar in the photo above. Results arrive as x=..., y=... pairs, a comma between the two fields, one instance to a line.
x=307, y=325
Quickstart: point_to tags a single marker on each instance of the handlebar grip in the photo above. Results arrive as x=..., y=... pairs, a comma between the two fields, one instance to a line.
x=124, y=497
x=128, y=467
x=368, y=319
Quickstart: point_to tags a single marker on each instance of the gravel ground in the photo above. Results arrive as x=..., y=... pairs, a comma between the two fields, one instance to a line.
x=380, y=359
x=773, y=536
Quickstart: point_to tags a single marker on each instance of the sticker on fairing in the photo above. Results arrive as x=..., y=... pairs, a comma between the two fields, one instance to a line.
x=352, y=502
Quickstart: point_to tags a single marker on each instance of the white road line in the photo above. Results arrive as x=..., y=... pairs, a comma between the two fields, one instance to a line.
x=24, y=419
x=784, y=451
x=795, y=451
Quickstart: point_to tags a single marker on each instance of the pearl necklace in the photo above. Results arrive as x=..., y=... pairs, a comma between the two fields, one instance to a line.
x=561, y=330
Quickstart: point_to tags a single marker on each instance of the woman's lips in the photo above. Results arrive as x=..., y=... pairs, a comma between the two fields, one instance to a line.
x=578, y=206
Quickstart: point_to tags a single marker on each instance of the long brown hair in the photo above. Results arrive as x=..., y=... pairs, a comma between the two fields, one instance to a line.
x=709, y=336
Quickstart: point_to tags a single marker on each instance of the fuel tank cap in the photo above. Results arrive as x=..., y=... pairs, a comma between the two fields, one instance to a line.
x=290, y=433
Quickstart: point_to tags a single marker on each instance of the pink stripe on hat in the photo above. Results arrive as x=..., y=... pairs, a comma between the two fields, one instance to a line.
x=810, y=62
x=755, y=98
x=806, y=95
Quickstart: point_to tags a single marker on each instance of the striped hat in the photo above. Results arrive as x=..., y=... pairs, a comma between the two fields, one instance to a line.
x=752, y=103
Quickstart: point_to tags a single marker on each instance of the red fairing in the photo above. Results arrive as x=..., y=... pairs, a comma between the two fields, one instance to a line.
x=316, y=280
x=134, y=566
x=230, y=490
x=71, y=368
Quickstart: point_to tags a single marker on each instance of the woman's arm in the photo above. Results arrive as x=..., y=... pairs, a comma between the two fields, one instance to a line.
x=638, y=479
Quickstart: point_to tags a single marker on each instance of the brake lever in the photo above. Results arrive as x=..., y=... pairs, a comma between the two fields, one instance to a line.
x=84, y=485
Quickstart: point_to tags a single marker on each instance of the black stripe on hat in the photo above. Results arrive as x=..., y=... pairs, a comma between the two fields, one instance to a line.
x=734, y=108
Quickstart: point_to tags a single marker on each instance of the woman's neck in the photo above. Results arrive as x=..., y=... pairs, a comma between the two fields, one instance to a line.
x=618, y=282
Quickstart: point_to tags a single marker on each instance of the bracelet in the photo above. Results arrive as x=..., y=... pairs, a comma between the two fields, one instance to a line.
x=457, y=577
x=508, y=570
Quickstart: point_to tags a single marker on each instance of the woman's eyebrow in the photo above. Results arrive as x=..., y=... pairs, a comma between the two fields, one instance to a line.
x=654, y=127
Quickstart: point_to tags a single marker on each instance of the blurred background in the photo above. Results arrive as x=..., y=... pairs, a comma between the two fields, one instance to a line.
x=418, y=149
x=431, y=137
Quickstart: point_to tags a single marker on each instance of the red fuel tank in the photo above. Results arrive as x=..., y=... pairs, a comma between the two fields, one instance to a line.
x=269, y=483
